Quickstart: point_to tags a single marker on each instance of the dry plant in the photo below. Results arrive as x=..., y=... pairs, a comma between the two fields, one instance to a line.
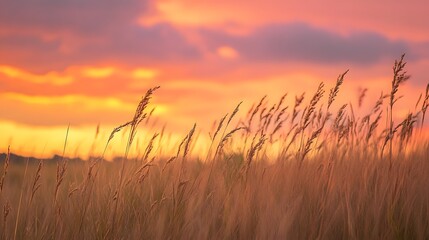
x=139, y=116
x=362, y=95
x=425, y=104
x=399, y=77
x=306, y=120
x=5, y=167
x=6, y=211
x=301, y=171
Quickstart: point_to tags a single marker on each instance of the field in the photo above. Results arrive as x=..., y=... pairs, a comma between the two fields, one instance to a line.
x=302, y=171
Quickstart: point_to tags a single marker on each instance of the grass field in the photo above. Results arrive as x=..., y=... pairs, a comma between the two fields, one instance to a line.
x=302, y=171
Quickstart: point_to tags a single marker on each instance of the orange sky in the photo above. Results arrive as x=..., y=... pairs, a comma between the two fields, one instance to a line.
x=88, y=62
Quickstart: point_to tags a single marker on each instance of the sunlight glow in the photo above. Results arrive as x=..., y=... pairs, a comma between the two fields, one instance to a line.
x=52, y=77
x=78, y=100
x=98, y=72
x=227, y=52
x=144, y=73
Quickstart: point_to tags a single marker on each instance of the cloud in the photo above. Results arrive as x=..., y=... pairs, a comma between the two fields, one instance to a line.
x=393, y=19
x=302, y=42
x=87, y=16
x=159, y=42
x=49, y=34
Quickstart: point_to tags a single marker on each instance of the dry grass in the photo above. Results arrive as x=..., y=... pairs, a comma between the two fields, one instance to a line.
x=329, y=179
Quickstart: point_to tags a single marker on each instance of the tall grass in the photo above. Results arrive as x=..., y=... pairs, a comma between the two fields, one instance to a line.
x=282, y=172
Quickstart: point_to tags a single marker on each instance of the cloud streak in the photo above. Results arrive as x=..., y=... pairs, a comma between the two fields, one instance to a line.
x=302, y=42
x=50, y=34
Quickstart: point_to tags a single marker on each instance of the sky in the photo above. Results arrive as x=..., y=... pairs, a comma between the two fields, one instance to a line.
x=88, y=62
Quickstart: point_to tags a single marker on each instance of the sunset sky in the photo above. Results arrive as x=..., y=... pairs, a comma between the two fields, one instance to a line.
x=88, y=62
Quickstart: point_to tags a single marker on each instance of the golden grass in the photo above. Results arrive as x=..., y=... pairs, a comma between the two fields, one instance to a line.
x=330, y=179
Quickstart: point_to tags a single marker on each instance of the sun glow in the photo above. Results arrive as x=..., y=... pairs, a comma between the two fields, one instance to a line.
x=227, y=52
x=89, y=103
x=52, y=77
x=98, y=72
x=144, y=73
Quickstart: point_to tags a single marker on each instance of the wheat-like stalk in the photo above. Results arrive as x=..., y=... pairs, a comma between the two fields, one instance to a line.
x=36, y=181
x=149, y=147
x=312, y=106
x=339, y=117
x=373, y=126
x=425, y=104
x=307, y=147
x=139, y=116
x=254, y=150
x=228, y=136
x=5, y=168
x=6, y=210
x=236, y=109
x=407, y=127
x=188, y=141
x=212, y=138
x=168, y=162
x=295, y=111
x=61, y=168
x=223, y=137
x=334, y=91
x=219, y=127
x=399, y=77
x=308, y=113
x=112, y=135
x=362, y=95
x=256, y=109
